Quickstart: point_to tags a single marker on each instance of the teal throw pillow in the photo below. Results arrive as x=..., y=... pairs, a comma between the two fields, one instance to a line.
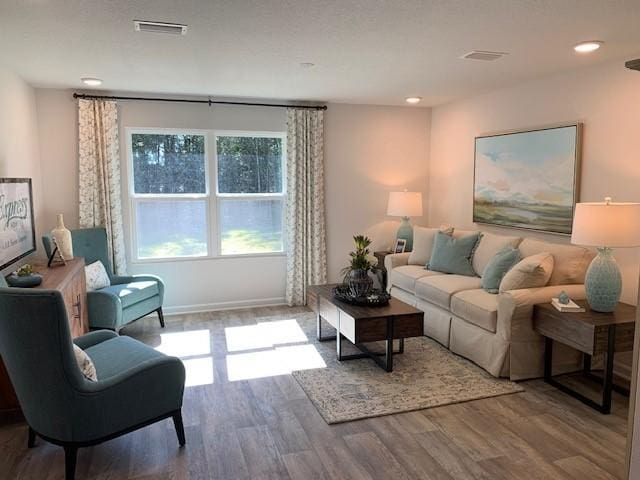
x=498, y=266
x=453, y=255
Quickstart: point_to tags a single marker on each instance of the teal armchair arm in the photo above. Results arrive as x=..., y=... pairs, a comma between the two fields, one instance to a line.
x=105, y=310
x=120, y=279
x=94, y=338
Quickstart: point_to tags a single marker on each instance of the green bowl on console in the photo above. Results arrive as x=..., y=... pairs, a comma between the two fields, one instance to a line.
x=25, y=281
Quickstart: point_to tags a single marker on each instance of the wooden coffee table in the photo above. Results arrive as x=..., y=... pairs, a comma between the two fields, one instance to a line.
x=359, y=325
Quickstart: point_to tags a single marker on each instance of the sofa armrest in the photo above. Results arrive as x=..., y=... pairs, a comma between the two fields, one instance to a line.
x=396, y=260
x=515, y=308
x=93, y=338
x=119, y=280
x=105, y=310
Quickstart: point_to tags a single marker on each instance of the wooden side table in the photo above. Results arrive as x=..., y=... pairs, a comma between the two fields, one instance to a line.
x=591, y=333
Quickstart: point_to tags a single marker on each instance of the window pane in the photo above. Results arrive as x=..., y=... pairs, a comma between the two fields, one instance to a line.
x=249, y=164
x=250, y=226
x=171, y=228
x=168, y=163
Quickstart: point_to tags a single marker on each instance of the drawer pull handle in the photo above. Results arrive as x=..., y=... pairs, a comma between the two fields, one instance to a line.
x=78, y=306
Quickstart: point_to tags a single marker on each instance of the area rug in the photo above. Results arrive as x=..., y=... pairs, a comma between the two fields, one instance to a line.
x=426, y=375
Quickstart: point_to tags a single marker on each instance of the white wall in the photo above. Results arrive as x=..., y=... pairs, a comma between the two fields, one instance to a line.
x=605, y=98
x=19, y=153
x=369, y=151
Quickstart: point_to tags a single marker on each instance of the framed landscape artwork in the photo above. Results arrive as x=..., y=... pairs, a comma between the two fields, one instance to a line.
x=528, y=179
x=17, y=232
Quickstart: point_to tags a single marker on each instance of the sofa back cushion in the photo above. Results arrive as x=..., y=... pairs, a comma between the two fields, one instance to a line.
x=490, y=244
x=423, y=239
x=453, y=255
x=530, y=272
x=570, y=261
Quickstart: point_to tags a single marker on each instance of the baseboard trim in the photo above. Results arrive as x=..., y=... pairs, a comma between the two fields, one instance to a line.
x=212, y=307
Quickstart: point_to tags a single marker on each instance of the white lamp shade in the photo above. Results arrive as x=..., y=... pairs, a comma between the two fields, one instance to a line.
x=606, y=224
x=405, y=204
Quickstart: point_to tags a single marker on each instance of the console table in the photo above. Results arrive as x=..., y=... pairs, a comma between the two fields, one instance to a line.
x=70, y=280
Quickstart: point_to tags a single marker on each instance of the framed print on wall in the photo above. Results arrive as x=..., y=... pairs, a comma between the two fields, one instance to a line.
x=528, y=179
x=17, y=230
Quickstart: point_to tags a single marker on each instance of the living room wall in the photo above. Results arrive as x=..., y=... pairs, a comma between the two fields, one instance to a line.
x=359, y=140
x=605, y=98
x=19, y=155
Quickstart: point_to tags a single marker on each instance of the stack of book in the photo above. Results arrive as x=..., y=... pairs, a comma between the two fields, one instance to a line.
x=566, y=307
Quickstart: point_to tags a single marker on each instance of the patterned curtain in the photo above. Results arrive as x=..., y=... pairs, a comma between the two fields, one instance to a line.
x=306, y=259
x=99, y=174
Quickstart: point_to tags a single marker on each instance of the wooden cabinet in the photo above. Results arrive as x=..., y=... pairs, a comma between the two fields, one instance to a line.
x=70, y=280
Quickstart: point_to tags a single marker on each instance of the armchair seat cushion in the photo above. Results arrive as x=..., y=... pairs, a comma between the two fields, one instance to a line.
x=118, y=355
x=134, y=292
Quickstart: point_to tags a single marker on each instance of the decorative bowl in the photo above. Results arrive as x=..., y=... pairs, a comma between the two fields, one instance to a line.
x=375, y=298
x=25, y=281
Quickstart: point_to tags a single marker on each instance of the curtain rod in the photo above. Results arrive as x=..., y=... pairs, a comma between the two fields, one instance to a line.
x=207, y=102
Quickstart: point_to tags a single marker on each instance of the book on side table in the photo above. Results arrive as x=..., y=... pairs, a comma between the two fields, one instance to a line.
x=566, y=307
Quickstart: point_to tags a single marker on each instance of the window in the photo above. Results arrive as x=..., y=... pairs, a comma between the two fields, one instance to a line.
x=250, y=193
x=171, y=205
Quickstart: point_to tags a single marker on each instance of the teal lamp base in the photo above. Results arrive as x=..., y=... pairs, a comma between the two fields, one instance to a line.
x=405, y=232
x=603, y=282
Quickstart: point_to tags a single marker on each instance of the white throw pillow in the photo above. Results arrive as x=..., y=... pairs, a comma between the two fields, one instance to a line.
x=423, y=238
x=531, y=272
x=85, y=364
x=96, y=276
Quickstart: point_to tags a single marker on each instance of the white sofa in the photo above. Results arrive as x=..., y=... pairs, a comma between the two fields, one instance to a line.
x=493, y=330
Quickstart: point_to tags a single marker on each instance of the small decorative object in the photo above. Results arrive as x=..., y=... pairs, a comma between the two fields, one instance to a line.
x=62, y=236
x=405, y=204
x=375, y=298
x=362, y=262
x=605, y=225
x=528, y=179
x=24, y=277
x=17, y=230
x=401, y=245
x=56, y=256
x=563, y=298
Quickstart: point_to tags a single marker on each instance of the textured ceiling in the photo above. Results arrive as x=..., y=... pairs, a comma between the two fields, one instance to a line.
x=364, y=51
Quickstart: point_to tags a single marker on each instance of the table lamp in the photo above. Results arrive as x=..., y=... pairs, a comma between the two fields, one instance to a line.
x=605, y=225
x=405, y=204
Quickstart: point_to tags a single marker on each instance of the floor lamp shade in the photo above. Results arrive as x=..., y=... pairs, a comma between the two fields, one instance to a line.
x=605, y=225
x=405, y=205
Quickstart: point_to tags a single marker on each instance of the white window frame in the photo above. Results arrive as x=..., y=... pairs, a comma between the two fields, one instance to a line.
x=212, y=197
x=219, y=197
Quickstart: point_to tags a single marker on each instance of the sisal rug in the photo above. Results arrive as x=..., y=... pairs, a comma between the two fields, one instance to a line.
x=426, y=375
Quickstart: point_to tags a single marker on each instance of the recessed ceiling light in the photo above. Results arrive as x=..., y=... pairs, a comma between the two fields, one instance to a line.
x=413, y=99
x=588, y=47
x=91, y=81
x=307, y=65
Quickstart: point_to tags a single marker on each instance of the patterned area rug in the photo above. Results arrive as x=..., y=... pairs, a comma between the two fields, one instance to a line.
x=426, y=375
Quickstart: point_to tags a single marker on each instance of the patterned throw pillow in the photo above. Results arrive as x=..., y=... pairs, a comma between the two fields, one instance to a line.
x=85, y=364
x=96, y=276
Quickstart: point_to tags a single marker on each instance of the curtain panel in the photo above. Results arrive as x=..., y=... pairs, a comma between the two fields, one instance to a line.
x=305, y=211
x=99, y=174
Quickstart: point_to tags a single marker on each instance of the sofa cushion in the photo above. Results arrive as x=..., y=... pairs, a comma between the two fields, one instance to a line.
x=477, y=307
x=134, y=292
x=405, y=277
x=489, y=245
x=497, y=267
x=530, y=272
x=458, y=233
x=453, y=255
x=423, y=239
x=570, y=261
x=438, y=289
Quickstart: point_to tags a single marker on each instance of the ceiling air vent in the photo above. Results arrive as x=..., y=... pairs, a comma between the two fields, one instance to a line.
x=484, y=55
x=159, y=27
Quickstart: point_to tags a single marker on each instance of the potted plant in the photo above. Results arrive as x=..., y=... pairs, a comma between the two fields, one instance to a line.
x=356, y=275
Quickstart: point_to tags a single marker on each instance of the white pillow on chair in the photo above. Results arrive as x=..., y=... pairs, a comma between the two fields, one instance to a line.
x=96, y=276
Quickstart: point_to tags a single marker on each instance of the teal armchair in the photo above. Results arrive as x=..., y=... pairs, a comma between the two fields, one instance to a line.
x=129, y=298
x=136, y=386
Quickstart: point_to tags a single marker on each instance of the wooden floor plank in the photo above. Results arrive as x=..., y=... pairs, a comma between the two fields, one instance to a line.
x=267, y=428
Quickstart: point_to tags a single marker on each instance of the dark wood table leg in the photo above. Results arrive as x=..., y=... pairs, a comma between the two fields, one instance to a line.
x=548, y=359
x=389, y=354
x=586, y=364
x=607, y=386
